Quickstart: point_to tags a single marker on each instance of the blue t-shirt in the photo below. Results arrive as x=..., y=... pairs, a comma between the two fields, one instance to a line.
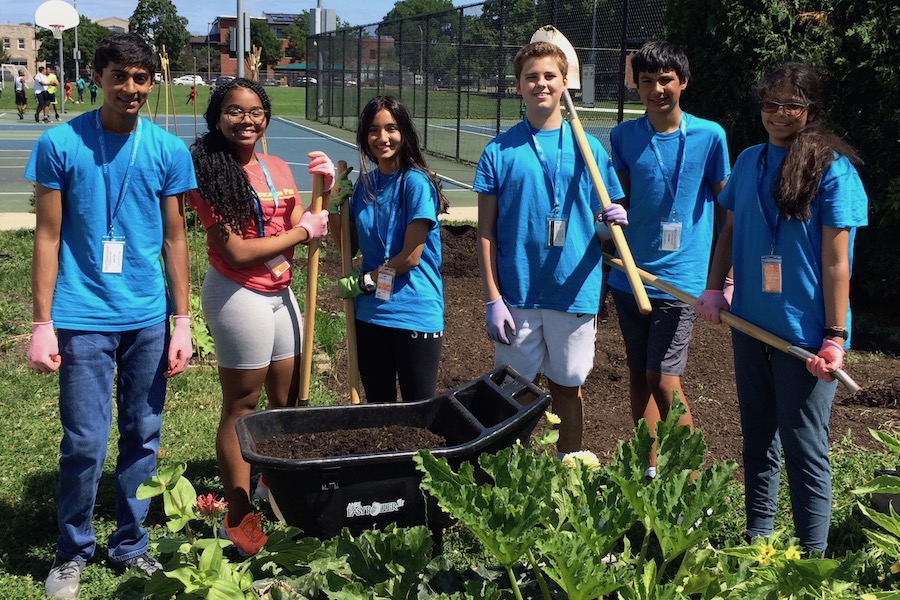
x=417, y=301
x=68, y=158
x=797, y=314
x=531, y=274
x=705, y=163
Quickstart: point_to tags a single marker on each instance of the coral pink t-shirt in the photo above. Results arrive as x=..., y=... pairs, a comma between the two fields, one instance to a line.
x=277, y=220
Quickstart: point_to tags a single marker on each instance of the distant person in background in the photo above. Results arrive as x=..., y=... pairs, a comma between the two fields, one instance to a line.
x=79, y=85
x=794, y=205
x=41, y=96
x=192, y=96
x=52, y=86
x=252, y=212
x=394, y=224
x=21, y=97
x=68, y=88
x=92, y=88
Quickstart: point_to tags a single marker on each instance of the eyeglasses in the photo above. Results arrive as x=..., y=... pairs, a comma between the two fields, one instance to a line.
x=791, y=109
x=236, y=115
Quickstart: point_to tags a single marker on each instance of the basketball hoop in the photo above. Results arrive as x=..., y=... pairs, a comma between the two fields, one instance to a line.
x=57, y=31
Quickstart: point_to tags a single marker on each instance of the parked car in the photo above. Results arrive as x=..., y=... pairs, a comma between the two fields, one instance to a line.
x=302, y=81
x=222, y=79
x=270, y=82
x=194, y=80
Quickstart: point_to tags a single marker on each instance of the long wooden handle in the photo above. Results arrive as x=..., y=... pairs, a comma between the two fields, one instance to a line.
x=349, y=303
x=312, y=280
x=618, y=236
x=736, y=322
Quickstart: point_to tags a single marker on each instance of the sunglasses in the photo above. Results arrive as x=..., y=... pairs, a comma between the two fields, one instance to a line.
x=791, y=109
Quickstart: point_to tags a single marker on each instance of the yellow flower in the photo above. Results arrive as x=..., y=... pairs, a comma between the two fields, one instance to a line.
x=586, y=457
x=765, y=554
x=552, y=418
x=792, y=554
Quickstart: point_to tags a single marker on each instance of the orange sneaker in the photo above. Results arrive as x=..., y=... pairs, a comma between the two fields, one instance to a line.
x=247, y=537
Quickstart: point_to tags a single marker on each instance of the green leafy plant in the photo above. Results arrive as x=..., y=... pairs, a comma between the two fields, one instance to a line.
x=887, y=540
x=203, y=342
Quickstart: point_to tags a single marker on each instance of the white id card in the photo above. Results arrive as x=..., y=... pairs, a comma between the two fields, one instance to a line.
x=556, y=232
x=771, y=274
x=670, y=236
x=384, y=287
x=113, y=254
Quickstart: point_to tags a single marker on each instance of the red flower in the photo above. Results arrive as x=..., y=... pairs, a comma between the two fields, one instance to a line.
x=210, y=506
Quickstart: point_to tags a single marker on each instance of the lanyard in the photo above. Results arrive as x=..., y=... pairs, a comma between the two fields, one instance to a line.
x=260, y=223
x=392, y=215
x=554, y=179
x=671, y=188
x=762, y=195
x=113, y=209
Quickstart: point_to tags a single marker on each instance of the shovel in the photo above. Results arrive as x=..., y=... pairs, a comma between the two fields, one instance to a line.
x=346, y=266
x=738, y=323
x=312, y=277
x=548, y=33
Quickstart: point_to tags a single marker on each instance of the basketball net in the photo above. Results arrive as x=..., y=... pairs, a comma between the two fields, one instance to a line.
x=57, y=31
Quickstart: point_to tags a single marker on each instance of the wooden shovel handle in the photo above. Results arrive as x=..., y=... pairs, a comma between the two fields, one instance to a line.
x=349, y=303
x=312, y=280
x=736, y=322
x=618, y=236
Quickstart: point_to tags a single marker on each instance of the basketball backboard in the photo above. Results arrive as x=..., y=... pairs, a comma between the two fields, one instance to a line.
x=55, y=13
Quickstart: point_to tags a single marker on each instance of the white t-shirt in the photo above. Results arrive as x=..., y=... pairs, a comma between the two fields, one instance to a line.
x=20, y=83
x=40, y=83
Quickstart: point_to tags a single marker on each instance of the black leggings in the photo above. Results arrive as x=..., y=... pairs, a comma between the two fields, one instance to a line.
x=387, y=355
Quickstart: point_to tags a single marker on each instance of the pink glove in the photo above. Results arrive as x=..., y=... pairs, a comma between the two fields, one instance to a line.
x=497, y=319
x=43, y=348
x=829, y=359
x=710, y=303
x=320, y=164
x=180, y=347
x=614, y=213
x=728, y=290
x=316, y=225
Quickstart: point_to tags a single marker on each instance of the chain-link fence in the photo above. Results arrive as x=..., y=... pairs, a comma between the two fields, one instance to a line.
x=454, y=69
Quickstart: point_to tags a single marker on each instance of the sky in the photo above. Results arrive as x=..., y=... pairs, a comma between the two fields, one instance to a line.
x=200, y=13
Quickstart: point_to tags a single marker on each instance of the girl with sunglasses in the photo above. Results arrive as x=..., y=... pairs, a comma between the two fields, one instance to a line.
x=252, y=213
x=794, y=204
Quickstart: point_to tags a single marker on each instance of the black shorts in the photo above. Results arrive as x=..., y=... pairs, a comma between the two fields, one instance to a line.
x=21, y=98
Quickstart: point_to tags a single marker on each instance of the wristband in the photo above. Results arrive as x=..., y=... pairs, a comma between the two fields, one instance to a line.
x=368, y=284
x=838, y=332
x=176, y=317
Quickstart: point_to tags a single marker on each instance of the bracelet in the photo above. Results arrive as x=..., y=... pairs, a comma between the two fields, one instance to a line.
x=838, y=332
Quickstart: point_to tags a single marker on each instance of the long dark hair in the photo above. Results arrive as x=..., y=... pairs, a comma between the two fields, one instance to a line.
x=221, y=179
x=411, y=156
x=812, y=150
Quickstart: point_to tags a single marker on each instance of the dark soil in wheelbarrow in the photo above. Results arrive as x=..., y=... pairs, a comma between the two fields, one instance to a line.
x=367, y=440
x=708, y=382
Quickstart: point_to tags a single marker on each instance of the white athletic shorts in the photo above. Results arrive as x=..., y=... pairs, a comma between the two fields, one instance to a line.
x=558, y=344
x=251, y=329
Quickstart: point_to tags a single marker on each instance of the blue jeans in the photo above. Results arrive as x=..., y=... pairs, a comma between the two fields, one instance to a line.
x=89, y=363
x=784, y=407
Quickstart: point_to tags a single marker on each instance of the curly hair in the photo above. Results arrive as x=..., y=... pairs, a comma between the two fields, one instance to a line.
x=411, y=156
x=221, y=179
x=813, y=149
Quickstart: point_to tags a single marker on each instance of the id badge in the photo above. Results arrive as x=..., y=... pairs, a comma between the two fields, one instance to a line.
x=113, y=254
x=384, y=287
x=556, y=232
x=278, y=266
x=670, y=236
x=771, y=274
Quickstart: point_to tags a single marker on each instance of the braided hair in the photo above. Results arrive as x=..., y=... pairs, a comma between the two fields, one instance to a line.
x=813, y=149
x=411, y=156
x=221, y=179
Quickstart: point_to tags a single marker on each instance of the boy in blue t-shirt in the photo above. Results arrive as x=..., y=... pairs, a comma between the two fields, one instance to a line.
x=672, y=166
x=539, y=257
x=109, y=197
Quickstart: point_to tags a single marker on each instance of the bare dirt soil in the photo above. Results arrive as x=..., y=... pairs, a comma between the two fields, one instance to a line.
x=708, y=381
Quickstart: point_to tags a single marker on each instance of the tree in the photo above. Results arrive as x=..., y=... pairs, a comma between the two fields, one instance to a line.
x=89, y=34
x=296, y=36
x=263, y=38
x=157, y=21
x=409, y=8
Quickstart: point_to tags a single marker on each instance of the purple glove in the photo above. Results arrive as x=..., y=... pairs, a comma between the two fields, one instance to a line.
x=614, y=213
x=180, y=347
x=710, y=303
x=43, y=348
x=829, y=359
x=316, y=225
x=320, y=164
x=497, y=319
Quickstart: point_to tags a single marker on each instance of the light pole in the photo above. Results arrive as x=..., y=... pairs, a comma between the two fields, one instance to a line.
x=208, y=53
x=76, y=54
